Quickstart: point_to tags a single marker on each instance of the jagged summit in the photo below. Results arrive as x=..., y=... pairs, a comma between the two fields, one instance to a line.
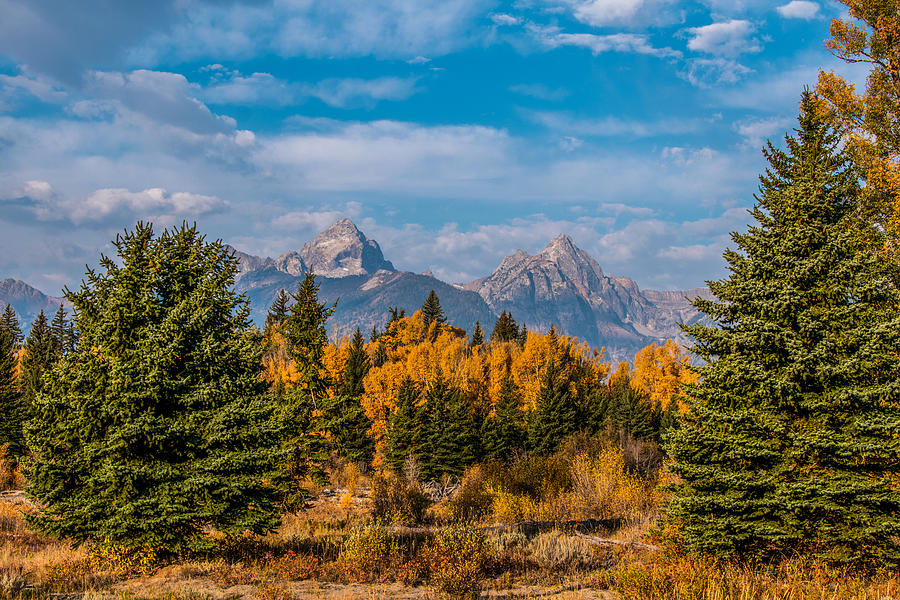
x=343, y=250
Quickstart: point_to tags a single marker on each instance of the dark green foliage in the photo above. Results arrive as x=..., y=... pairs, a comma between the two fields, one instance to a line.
x=380, y=355
x=345, y=417
x=523, y=335
x=477, y=335
x=396, y=313
x=630, y=411
x=505, y=328
x=300, y=408
x=158, y=426
x=793, y=432
x=279, y=310
x=403, y=432
x=11, y=416
x=62, y=331
x=373, y=337
x=39, y=356
x=556, y=415
x=10, y=322
x=449, y=438
x=503, y=432
x=432, y=311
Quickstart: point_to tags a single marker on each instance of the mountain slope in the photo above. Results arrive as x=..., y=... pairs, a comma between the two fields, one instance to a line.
x=28, y=301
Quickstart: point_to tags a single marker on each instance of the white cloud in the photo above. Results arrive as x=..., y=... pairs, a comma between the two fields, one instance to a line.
x=616, y=42
x=630, y=13
x=45, y=204
x=40, y=87
x=706, y=72
x=167, y=98
x=266, y=90
x=756, y=131
x=612, y=126
x=419, y=60
x=799, y=9
x=504, y=19
x=727, y=38
x=334, y=29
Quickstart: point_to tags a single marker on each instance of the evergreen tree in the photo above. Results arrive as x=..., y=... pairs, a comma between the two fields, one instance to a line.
x=346, y=418
x=10, y=322
x=39, y=356
x=477, y=335
x=279, y=310
x=158, y=426
x=505, y=328
x=631, y=411
x=380, y=356
x=373, y=337
x=556, y=415
x=448, y=427
x=62, y=332
x=395, y=314
x=792, y=434
x=303, y=404
x=504, y=431
x=523, y=335
x=432, y=311
x=402, y=436
x=11, y=416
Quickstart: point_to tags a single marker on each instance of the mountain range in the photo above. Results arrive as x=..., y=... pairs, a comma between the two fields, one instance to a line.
x=562, y=285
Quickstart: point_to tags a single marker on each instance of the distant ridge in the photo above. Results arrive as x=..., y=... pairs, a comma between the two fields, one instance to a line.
x=28, y=301
x=562, y=285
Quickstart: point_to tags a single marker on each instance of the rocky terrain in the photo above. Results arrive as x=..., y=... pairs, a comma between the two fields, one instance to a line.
x=561, y=285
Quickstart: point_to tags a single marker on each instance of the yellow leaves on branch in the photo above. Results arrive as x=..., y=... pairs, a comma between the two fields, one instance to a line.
x=870, y=121
x=659, y=372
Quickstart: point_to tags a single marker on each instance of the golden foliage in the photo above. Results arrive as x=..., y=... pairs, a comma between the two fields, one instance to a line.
x=869, y=120
x=659, y=372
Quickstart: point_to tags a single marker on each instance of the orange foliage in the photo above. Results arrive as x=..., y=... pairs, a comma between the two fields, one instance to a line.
x=659, y=372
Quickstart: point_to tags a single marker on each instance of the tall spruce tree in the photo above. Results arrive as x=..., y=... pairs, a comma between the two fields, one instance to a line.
x=158, y=426
x=62, y=332
x=39, y=355
x=302, y=407
x=793, y=435
x=10, y=322
x=556, y=415
x=505, y=328
x=345, y=417
x=503, y=432
x=477, y=335
x=403, y=431
x=432, y=311
x=279, y=310
x=11, y=414
x=448, y=430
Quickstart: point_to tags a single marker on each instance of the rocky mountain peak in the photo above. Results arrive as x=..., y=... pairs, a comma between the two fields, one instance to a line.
x=343, y=250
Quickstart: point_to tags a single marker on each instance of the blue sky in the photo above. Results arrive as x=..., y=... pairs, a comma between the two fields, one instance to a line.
x=451, y=131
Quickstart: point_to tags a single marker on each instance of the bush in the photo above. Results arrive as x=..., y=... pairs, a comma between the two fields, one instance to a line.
x=395, y=500
x=604, y=488
x=472, y=501
x=458, y=559
x=367, y=553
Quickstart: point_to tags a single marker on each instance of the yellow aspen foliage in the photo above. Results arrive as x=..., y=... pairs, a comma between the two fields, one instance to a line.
x=621, y=375
x=335, y=360
x=659, y=372
x=869, y=119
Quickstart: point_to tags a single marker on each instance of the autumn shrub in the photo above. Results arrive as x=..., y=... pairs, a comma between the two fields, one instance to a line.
x=13, y=581
x=74, y=574
x=458, y=559
x=230, y=574
x=294, y=566
x=557, y=551
x=367, y=553
x=12, y=519
x=672, y=577
x=122, y=559
x=270, y=590
x=473, y=500
x=397, y=501
x=10, y=477
x=603, y=487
